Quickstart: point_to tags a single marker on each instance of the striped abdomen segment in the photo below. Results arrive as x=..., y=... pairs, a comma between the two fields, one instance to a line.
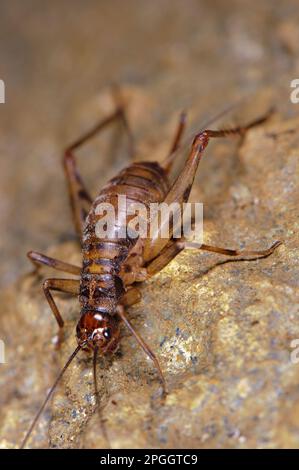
x=143, y=182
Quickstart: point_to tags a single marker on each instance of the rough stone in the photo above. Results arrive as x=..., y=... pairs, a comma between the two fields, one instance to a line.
x=221, y=330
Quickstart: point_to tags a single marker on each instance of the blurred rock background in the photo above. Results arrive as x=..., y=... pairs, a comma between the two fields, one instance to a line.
x=57, y=60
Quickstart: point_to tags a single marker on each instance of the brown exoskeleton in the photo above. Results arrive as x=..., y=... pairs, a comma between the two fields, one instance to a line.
x=112, y=267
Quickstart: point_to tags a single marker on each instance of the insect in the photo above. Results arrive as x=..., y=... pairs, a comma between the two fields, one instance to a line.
x=112, y=267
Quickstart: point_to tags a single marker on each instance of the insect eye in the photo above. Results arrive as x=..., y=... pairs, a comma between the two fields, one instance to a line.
x=107, y=333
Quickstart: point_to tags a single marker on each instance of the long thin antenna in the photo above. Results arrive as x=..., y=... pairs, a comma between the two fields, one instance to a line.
x=96, y=391
x=48, y=396
x=95, y=353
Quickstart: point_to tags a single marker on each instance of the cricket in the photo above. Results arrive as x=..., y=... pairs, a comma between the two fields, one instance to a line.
x=113, y=267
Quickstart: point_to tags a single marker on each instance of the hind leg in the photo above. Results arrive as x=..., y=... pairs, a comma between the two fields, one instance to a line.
x=181, y=188
x=79, y=197
x=121, y=313
x=229, y=252
x=168, y=162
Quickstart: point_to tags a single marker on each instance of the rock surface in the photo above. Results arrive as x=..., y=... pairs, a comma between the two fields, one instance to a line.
x=221, y=330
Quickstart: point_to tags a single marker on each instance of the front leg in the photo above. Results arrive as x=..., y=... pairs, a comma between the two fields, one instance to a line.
x=70, y=286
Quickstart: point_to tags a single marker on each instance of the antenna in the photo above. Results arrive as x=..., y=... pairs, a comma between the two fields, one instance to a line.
x=28, y=434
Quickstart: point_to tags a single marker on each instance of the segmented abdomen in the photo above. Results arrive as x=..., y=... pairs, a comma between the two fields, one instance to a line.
x=101, y=287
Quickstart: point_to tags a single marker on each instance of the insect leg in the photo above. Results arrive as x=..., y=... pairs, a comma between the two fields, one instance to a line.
x=70, y=286
x=131, y=297
x=167, y=163
x=181, y=188
x=225, y=251
x=240, y=130
x=120, y=105
x=39, y=259
x=171, y=250
x=145, y=347
x=178, y=193
x=79, y=196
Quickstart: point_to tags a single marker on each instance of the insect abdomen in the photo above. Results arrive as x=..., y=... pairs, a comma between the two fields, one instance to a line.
x=143, y=182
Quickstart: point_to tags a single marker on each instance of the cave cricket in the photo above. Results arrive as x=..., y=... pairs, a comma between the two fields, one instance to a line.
x=112, y=267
